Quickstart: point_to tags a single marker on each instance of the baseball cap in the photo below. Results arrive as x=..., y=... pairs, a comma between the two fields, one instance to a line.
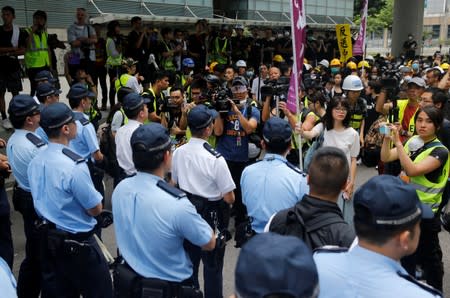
x=201, y=116
x=386, y=201
x=239, y=80
x=79, y=91
x=56, y=115
x=132, y=101
x=277, y=130
x=150, y=137
x=46, y=89
x=418, y=81
x=44, y=75
x=23, y=105
x=270, y=263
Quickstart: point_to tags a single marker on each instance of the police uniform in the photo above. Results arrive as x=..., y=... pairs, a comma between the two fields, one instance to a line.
x=203, y=173
x=152, y=219
x=272, y=184
x=384, y=203
x=62, y=193
x=22, y=147
x=7, y=281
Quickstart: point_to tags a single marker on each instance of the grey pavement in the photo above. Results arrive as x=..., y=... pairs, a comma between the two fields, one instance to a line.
x=231, y=254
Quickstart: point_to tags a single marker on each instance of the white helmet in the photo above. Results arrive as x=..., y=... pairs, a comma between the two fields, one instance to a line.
x=352, y=83
x=241, y=63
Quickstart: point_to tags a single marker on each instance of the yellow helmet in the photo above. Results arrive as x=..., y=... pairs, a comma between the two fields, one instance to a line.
x=335, y=62
x=363, y=63
x=351, y=65
x=278, y=58
x=445, y=66
x=212, y=65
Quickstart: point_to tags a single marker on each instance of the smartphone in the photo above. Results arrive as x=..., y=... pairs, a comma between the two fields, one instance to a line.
x=385, y=130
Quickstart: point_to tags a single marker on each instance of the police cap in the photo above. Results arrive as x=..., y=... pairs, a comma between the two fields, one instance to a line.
x=80, y=91
x=44, y=75
x=46, y=89
x=386, y=201
x=201, y=116
x=23, y=105
x=270, y=263
x=56, y=115
x=133, y=101
x=277, y=130
x=150, y=137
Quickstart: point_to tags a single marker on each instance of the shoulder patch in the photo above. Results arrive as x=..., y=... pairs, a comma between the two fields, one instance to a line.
x=72, y=155
x=420, y=284
x=211, y=150
x=295, y=168
x=80, y=117
x=35, y=140
x=172, y=190
x=330, y=249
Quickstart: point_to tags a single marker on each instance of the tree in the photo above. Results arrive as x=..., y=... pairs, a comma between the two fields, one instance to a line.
x=383, y=18
x=373, y=8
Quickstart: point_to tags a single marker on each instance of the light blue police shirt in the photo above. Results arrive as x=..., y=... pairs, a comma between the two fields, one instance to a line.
x=269, y=186
x=151, y=225
x=41, y=133
x=20, y=152
x=62, y=190
x=86, y=141
x=363, y=273
x=7, y=281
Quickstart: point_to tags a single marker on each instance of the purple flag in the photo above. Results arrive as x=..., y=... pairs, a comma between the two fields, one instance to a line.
x=298, y=24
x=360, y=43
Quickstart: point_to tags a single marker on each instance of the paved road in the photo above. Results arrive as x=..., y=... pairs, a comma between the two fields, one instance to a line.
x=231, y=253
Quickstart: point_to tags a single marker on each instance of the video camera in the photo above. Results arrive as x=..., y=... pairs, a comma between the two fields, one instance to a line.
x=167, y=105
x=278, y=87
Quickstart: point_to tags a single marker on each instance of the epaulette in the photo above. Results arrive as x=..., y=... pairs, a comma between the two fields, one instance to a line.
x=79, y=117
x=73, y=156
x=330, y=249
x=172, y=190
x=295, y=168
x=35, y=140
x=420, y=284
x=211, y=150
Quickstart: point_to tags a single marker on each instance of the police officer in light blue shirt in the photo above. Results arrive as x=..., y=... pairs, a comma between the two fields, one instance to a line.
x=46, y=94
x=22, y=147
x=86, y=143
x=65, y=197
x=151, y=218
x=272, y=184
x=7, y=281
x=387, y=222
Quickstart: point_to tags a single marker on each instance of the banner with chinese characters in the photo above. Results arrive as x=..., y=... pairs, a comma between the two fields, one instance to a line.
x=344, y=40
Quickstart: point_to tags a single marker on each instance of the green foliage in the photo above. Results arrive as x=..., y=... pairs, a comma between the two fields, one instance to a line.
x=380, y=16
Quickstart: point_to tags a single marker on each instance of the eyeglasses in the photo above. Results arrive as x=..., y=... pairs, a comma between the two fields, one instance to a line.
x=340, y=109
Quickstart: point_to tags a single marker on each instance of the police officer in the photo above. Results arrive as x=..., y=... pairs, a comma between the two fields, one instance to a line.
x=160, y=215
x=65, y=198
x=22, y=147
x=7, y=281
x=387, y=222
x=203, y=174
x=272, y=184
x=86, y=143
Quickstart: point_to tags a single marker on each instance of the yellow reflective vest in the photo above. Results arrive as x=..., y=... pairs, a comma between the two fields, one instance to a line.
x=402, y=104
x=36, y=55
x=112, y=61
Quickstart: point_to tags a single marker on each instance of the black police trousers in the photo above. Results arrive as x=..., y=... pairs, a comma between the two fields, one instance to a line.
x=428, y=254
x=6, y=243
x=78, y=265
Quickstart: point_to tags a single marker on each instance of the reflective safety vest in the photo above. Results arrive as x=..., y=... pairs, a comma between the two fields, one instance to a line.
x=37, y=54
x=122, y=81
x=356, y=118
x=429, y=193
x=112, y=61
x=218, y=52
x=146, y=93
x=167, y=62
x=125, y=118
x=402, y=104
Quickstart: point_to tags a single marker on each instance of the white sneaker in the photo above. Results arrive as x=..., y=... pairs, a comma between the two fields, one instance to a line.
x=7, y=124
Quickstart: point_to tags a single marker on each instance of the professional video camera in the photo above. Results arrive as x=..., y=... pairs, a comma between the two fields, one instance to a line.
x=167, y=105
x=390, y=79
x=274, y=88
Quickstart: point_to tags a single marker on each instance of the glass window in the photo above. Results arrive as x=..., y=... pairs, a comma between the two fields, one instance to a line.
x=436, y=31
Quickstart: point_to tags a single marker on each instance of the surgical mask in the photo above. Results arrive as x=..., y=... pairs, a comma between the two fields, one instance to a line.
x=335, y=70
x=373, y=77
x=179, y=40
x=249, y=74
x=242, y=102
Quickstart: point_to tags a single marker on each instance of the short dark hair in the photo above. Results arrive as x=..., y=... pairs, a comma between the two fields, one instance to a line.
x=135, y=19
x=145, y=161
x=378, y=235
x=277, y=147
x=435, y=115
x=17, y=121
x=198, y=84
x=198, y=133
x=75, y=102
x=10, y=9
x=40, y=13
x=438, y=96
x=165, y=31
x=133, y=114
x=176, y=88
x=159, y=75
x=335, y=102
x=328, y=171
x=54, y=132
x=318, y=96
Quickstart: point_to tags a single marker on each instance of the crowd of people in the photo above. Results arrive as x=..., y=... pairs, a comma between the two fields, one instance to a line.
x=201, y=134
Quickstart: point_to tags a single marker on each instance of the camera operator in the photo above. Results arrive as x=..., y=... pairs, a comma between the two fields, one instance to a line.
x=171, y=113
x=274, y=76
x=160, y=82
x=233, y=129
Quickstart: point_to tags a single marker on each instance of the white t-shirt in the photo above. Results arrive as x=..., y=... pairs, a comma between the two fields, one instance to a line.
x=347, y=140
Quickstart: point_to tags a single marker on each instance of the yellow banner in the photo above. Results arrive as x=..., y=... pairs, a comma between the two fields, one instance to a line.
x=344, y=40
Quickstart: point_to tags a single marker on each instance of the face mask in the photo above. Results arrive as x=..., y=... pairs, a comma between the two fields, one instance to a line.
x=373, y=77
x=279, y=35
x=334, y=70
x=242, y=102
x=179, y=40
x=249, y=74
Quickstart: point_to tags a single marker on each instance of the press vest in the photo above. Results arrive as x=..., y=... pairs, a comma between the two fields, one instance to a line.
x=122, y=81
x=112, y=61
x=429, y=193
x=37, y=54
x=219, y=58
x=167, y=62
x=402, y=104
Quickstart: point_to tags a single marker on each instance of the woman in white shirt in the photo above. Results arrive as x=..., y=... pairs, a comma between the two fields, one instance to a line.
x=338, y=133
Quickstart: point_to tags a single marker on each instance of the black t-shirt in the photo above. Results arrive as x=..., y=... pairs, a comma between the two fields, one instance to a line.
x=10, y=63
x=372, y=114
x=140, y=53
x=440, y=154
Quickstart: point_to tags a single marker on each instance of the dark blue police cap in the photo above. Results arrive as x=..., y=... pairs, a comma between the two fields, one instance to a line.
x=44, y=75
x=277, y=130
x=46, y=89
x=23, y=105
x=80, y=91
x=133, y=101
x=150, y=137
x=56, y=115
x=387, y=201
x=200, y=117
x=270, y=263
